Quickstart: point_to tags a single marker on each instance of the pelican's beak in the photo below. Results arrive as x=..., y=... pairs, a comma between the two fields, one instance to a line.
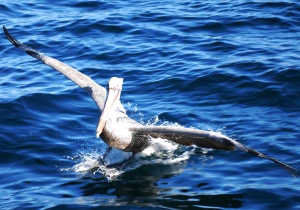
x=112, y=97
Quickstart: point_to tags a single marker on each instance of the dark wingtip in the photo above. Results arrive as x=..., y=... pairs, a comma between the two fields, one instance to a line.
x=11, y=38
x=30, y=51
x=293, y=171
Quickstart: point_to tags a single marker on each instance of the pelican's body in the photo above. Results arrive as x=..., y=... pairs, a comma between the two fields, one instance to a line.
x=121, y=132
x=122, y=137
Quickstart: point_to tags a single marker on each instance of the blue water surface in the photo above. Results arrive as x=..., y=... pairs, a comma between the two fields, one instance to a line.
x=227, y=66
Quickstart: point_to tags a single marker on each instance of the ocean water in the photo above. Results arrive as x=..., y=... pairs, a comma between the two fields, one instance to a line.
x=227, y=66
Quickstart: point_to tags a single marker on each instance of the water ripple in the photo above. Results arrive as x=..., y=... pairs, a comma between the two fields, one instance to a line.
x=228, y=66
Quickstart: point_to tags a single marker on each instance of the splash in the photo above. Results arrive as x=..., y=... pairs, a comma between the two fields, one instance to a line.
x=161, y=152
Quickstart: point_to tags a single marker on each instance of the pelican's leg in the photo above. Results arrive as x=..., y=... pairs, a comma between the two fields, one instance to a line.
x=102, y=159
x=120, y=165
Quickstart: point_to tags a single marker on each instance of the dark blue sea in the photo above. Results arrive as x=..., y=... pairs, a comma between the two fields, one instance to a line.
x=227, y=66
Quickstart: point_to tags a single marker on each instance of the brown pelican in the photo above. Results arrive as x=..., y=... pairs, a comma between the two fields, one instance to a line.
x=121, y=132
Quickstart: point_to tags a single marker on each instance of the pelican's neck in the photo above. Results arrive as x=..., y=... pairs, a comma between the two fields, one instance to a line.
x=112, y=106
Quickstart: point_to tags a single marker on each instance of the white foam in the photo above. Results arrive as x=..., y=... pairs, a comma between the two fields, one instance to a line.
x=86, y=164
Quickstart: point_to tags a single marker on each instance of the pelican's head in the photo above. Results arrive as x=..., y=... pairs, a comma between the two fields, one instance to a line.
x=114, y=88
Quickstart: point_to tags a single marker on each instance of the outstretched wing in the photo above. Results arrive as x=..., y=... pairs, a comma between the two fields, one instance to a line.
x=204, y=139
x=97, y=92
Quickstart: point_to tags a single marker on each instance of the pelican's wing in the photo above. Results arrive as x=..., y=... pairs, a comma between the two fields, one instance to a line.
x=188, y=136
x=204, y=139
x=97, y=92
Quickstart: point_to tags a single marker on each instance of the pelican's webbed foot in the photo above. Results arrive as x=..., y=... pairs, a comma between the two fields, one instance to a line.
x=121, y=165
